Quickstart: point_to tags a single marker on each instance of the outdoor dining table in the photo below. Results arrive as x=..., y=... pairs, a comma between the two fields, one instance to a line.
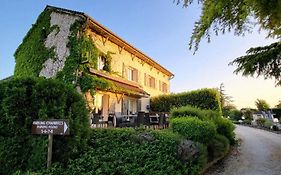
x=129, y=120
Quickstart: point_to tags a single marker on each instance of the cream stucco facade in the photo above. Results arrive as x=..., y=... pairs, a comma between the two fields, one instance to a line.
x=123, y=60
x=130, y=68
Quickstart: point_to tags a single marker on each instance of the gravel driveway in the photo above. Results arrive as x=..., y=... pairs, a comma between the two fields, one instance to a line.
x=258, y=154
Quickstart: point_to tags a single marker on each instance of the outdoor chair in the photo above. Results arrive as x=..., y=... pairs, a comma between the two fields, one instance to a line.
x=162, y=121
x=146, y=120
x=166, y=117
x=119, y=119
x=97, y=120
x=140, y=119
x=154, y=121
x=110, y=120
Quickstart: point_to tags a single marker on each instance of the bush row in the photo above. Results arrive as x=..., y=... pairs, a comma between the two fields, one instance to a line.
x=194, y=129
x=203, y=99
x=25, y=100
x=130, y=151
x=186, y=111
x=98, y=151
x=205, y=132
x=223, y=126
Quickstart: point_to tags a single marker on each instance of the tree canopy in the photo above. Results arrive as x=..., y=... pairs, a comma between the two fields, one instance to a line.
x=241, y=16
x=262, y=105
x=225, y=99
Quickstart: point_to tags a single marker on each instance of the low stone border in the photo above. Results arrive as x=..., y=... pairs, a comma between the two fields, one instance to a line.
x=262, y=128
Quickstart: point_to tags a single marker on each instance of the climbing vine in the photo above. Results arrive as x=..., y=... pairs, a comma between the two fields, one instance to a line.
x=83, y=55
x=32, y=53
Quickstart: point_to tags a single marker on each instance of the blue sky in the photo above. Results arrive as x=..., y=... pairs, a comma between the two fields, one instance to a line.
x=160, y=29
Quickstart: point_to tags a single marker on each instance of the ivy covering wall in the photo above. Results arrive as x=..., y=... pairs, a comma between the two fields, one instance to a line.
x=32, y=53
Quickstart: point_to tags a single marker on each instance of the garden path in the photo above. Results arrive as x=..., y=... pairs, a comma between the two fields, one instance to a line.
x=259, y=153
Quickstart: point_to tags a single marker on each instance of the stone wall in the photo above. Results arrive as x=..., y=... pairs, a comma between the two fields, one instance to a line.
x=58, y=40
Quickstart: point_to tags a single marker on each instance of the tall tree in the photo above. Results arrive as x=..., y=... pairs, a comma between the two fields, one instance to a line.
x=241, y=16
x=262, y=105
x=225, y=99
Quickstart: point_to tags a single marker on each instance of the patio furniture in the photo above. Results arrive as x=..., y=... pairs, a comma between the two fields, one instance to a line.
x=162, y=120
x=118, y=119
x=129, y=120
x=166, y=120
x=154, y=120
x=146, y=120
x=110, y=120
x=97, y=120
x=140, y=119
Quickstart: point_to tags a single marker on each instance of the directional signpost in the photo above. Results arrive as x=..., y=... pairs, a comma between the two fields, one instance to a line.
x=50, y=127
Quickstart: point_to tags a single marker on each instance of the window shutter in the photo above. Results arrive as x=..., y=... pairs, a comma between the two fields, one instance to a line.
x=139, y=77
x=144, y=79
x=135, y=75
x=125, y=71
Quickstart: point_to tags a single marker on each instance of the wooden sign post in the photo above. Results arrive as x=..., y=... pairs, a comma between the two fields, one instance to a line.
x=50, y=127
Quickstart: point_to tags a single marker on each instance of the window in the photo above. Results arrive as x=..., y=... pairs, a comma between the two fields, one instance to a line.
x=151, y=81
x=160, y=85
x=101, y=62
x=164, y=87
x=132, y=74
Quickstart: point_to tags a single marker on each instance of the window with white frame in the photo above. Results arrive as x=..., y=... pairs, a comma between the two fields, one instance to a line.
x=101, y=62
x=132, y=74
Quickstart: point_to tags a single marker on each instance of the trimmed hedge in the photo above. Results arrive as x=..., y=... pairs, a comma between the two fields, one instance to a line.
x=186, y=111
x=28, y=99
x=223, y=126
x=226, y=128
x=194, y=128
x=202, y=98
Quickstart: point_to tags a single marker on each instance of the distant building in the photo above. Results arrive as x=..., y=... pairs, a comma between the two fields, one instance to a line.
x=136, y=76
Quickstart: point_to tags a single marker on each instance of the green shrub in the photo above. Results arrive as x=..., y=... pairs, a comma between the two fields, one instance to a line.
x=226, y=128
x=186, y=111
x=194, y=129
x=203, y=99
x=261, y=121
x=247, y=121
x=129, y=151
x=267, y=123
x=203, y=156
x=217, y=147
x=28, y=99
